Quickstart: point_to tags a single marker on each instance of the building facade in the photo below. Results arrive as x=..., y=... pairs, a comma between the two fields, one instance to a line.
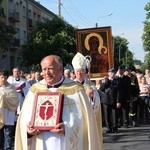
x=20, y=14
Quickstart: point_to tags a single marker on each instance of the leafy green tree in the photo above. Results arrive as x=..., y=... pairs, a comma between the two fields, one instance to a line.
x=146, y=34
x=122, y=55
x=147, y=61
x=146, y=37
x=50, y=37
x=1, y=2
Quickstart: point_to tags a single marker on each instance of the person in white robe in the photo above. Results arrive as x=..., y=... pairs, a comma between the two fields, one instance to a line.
x=8, y=106
x=77, y=131
x=80, y=65
x=22, y=86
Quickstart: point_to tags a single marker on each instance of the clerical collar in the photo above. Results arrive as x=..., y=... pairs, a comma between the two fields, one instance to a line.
x=111, y=79
x=17, y=79
x=57, y=84
x=121, y=75
x=81, y=82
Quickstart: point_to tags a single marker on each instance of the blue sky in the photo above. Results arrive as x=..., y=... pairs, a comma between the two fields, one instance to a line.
x=127, y=17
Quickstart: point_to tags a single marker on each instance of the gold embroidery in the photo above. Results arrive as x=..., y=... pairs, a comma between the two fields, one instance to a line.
x=70, y=89
x=38, y=88
x=74, y=140
x=69, y=104
x=66, y=89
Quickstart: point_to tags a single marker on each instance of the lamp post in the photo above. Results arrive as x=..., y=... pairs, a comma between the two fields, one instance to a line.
x=126, y=55
x=119, y=51
x=120, y=48
x=96, y=24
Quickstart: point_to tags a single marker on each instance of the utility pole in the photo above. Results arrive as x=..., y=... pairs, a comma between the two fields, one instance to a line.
x=59, y=8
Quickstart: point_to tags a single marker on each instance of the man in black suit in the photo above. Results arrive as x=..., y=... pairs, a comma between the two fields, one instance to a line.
x=111, y=103
x=135, y=90
x=124, y=95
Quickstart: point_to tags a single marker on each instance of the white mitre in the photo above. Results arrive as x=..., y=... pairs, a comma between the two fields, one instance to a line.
x=79, y=61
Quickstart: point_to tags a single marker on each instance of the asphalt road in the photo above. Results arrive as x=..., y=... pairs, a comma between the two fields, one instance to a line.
x=134, y=138
x=137, y=138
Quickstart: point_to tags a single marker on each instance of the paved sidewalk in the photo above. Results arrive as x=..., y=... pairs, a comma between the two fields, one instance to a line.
x=136, y=138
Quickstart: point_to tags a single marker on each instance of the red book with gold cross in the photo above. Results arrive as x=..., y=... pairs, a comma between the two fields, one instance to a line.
x=47, y=110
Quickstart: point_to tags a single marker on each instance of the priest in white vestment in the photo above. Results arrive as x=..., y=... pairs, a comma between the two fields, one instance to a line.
x=80, y=64
x=21, y=85
x=78, y=129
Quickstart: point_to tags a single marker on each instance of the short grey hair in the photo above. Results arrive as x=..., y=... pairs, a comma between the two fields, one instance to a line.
x=56, y=58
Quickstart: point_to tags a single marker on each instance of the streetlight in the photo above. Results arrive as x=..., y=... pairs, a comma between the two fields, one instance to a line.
x=119, y=51
x=120, y=47
x=126, y=55
x=102, y=17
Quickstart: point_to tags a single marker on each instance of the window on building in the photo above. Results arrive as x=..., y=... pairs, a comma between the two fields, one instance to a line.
x=30, y=14
x=39, y=17
x=24, y=11
x=17, y=33
x=25, y=36
x=17, y=7
x=3, y=62
x=11, y=7
x=18, y=61
x=43, y=18
x=12, y=62
x=34, y=17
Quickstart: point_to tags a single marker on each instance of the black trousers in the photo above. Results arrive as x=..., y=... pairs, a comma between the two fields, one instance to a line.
x=111, y=117
x=125, y=106
x=143, y=107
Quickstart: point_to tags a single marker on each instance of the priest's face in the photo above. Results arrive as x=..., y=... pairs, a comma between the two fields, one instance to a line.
x=52, y=69
x=80, y=74
x=16, y=72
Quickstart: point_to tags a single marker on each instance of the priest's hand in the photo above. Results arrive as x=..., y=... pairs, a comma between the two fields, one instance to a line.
x=31, y=130
x=59, y=128
x=90, y=92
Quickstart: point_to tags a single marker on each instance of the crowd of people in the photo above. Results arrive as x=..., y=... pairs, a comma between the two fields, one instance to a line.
x=125, y=98
x=80, y=126
x=119, y=99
